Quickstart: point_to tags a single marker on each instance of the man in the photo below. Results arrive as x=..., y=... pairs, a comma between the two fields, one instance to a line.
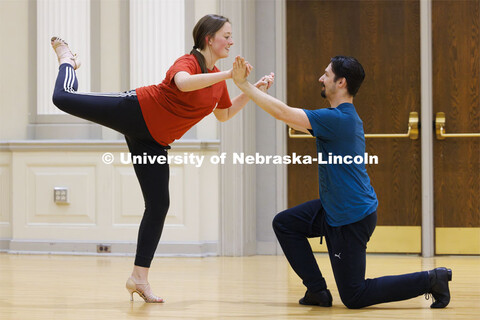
x=345, y=214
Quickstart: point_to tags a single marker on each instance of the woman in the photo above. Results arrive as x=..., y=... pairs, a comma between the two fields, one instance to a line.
x=153, y=117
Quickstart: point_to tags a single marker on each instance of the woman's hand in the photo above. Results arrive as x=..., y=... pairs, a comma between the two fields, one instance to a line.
x=241, y=70
x=265, y=82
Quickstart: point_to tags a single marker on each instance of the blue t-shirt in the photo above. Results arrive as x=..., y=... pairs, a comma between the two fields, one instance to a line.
x=345, y=190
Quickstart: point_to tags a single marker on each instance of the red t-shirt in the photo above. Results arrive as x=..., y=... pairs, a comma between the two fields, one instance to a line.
x=169, y=112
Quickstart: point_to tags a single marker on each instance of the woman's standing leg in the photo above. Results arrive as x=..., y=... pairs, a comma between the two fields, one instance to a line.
x=153, y=179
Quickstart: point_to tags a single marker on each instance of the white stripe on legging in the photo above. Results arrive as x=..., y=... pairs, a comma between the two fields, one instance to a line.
x=67, y=86
x=65, y=81
x=72, y=79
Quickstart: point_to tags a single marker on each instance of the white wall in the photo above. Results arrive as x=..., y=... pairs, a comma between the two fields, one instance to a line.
x=105, y=200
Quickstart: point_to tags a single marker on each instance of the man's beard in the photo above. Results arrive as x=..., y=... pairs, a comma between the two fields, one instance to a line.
x=323, y=93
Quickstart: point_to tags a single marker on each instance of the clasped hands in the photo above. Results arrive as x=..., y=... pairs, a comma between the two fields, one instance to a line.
x=241, y=70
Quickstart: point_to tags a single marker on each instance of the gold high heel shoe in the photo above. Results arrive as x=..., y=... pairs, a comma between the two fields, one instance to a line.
x=132, y=287
x=63, y=52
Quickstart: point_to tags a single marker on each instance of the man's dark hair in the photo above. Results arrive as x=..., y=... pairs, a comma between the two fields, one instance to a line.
x=350, y=69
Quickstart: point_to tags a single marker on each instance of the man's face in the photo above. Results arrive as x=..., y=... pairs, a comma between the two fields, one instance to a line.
x=326, y=80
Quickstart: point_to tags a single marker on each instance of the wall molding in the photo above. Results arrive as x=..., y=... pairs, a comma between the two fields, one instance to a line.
x=237, y=233
x=96, y=145
x=281, y=93
x=190, y=249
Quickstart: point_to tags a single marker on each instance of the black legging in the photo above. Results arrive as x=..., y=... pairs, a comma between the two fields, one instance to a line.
x=121, y=112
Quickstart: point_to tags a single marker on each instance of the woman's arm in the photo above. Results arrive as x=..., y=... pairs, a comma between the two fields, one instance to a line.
x=186, y=82
x=238, y=103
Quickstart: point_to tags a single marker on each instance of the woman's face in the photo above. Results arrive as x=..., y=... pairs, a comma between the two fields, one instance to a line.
x=221, y=43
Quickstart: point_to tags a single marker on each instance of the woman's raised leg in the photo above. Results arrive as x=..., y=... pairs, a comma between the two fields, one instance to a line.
x=118, y=111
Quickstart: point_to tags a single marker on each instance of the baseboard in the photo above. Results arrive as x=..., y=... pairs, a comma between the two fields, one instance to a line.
x=267, y=247
x=4, y=245
x=192, y=249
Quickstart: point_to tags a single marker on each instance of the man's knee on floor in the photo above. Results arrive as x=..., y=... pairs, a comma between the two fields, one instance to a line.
x=352, y=304
x=351, y=299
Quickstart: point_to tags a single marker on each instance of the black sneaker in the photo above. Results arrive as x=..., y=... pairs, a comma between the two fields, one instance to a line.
x=322, y=298
x=439, y=278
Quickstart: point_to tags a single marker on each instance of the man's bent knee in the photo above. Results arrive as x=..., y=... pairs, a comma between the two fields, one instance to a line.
x=278, y=221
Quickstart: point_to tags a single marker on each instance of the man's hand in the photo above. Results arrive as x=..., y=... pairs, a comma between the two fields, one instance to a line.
x=249, y=68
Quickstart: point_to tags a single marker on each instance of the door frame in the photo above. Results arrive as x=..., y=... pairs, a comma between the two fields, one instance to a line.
x=426, y=117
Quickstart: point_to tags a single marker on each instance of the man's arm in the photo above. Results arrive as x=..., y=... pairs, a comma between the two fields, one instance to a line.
x=279, y=110
x=241, y=100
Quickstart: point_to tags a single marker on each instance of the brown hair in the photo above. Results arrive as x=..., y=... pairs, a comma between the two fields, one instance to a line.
x=205, y=27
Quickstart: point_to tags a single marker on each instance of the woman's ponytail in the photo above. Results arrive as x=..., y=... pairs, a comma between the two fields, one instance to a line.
x=200, y=59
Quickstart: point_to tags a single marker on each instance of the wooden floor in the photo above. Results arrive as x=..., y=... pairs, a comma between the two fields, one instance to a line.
x=258, y=287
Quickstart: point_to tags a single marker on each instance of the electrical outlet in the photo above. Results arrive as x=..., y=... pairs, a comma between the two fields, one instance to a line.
x=60, y=195
x=104, y=248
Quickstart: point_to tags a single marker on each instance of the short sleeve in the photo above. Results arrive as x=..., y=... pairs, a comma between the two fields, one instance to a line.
x=324, y=122
x=225, y=101
x=186, y=63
